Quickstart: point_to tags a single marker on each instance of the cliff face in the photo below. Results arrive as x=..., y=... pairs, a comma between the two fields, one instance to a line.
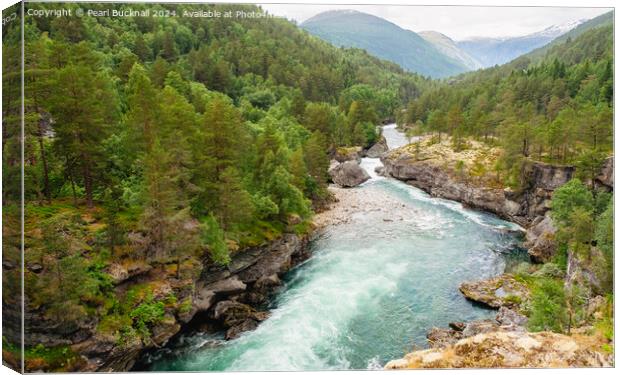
x=502, y=349
x=219, y=298
x=523, y=208
x=435, y=173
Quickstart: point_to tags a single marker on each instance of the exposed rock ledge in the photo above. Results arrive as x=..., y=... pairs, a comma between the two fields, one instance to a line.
x=499, y=291
x=432, y=176
x=508, y=349
x=225, y=298
x=434, y=170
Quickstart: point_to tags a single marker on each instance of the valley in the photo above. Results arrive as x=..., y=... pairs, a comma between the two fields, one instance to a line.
x=251, y=194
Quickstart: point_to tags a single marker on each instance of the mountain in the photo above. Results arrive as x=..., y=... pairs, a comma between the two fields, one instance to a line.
x=349, y=28
x=448, y=47
x=603, y=20
x=497, y=51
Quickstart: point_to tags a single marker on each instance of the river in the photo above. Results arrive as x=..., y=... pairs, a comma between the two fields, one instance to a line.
x=373, y=287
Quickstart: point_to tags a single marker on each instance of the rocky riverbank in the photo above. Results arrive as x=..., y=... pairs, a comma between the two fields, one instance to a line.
x=505, y=349
x=504, y=341
x=212, y=298
x=466, y=177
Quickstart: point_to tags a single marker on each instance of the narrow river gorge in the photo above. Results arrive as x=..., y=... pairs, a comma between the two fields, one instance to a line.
x=375, y=284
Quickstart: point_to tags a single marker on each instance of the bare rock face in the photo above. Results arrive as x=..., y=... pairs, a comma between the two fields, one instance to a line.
x=349, y=174
x=505, y=320
x=443, y=337
x=378, y=148
x=508, y=349
x=431, y=176
x=546, y=176
x=229, y=286
x=124, y=272
x=606, y=178
x=539, y=240
x=584, y=270
x=237, y=317
x=499, y=291
x=511, y=319
x=523, y=208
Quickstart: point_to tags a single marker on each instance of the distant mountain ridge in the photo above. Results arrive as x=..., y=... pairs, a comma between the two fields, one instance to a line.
x=384, y=39
x=497, y=51
x=603, y=20
x=431, y=53
x=449, y=47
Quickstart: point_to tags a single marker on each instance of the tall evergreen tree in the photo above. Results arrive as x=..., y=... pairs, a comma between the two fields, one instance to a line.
x=83, y=108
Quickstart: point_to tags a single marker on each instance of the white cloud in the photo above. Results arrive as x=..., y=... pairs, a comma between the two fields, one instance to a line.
x=458, y=22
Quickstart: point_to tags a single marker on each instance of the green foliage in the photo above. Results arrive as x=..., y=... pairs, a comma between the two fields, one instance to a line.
x=213, y=237
x=567, y=199
x=55, y=358
x=554, y=108
x=146, y=314
x=604, y=235
x=548, y=307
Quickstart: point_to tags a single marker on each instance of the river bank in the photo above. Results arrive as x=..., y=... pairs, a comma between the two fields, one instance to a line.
x=373, y=248
x=378, y=270
x=467, y=177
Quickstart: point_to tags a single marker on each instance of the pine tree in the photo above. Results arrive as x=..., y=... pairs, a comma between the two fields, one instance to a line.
x=143, y=108
x=234, y=202
x=222, y=143
x=141, y=49
x=159, y=70
x=83, y=108
x=169, y=47
x=317, y=161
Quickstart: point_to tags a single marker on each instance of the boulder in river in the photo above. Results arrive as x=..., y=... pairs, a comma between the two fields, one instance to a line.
x=349, y=174
x=499, y=291
x=378, y=148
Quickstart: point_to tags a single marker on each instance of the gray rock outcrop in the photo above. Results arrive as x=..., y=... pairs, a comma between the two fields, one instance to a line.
x=496, y=292
x=539, y=239
x=378, y=148
x=348, y=174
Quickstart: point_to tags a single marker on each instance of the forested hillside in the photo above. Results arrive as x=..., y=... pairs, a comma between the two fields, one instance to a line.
x=161, y=139
x=558, y=109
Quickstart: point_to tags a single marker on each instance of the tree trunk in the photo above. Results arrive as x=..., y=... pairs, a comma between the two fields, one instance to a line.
x=75, y=202
x=46, y=181
x=88, y=182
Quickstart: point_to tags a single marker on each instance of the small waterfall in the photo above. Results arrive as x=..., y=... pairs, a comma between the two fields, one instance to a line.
x=395, y=138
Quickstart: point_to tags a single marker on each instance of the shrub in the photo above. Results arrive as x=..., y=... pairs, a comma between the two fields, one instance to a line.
x=213, y=236
x=146, y=314
x=551, y=270
x=548, y=306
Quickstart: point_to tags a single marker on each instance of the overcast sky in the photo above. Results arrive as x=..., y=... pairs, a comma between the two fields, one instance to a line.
x=457, y=22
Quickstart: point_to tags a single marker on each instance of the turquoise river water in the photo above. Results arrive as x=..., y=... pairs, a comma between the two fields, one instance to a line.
x=371, y=290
